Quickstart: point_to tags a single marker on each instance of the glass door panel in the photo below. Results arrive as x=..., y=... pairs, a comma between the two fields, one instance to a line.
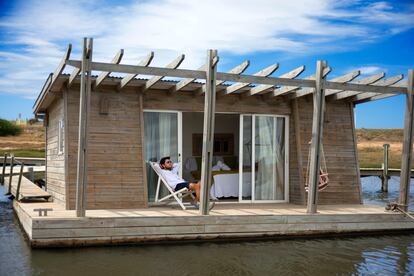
x=245, y=159
x=269, y=158
x=162, y=137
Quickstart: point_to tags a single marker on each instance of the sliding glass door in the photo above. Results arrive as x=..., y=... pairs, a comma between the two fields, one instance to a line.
x=162, y=137
x=263, y=151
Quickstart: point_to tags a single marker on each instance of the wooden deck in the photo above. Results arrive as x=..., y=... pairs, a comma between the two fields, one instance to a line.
x=28, y=190
x=226, y=221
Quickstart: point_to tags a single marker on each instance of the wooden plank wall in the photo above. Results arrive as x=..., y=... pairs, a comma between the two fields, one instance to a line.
x=116, y=153
x=55, y=162
x=339, y=148
x=115, y=178
x=295, y=195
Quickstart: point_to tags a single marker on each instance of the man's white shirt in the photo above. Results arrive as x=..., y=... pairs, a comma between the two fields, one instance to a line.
x=172, y=177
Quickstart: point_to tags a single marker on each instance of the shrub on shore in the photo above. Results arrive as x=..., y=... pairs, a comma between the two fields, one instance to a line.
x=8, y=128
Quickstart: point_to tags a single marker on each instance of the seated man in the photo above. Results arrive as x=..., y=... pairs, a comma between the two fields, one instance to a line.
x=170, y=173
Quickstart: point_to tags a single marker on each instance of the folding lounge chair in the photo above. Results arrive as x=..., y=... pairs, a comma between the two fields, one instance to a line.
x=177, y=195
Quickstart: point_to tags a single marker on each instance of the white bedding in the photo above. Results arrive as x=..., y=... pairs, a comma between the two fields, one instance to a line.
x=227, y=185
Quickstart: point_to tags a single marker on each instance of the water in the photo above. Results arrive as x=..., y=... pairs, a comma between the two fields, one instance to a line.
x=378, y=255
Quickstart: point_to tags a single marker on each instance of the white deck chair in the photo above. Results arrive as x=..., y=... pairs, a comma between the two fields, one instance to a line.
x=177, y=195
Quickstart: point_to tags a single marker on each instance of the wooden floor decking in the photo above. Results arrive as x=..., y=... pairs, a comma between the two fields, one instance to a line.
x=28, y=189
x=228, y=221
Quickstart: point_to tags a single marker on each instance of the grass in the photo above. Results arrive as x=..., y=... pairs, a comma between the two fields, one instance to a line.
x=371, y=150
x=29, y=143
x=36, y=153
x=380, y=135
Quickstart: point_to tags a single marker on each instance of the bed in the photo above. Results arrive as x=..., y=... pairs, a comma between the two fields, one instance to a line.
x=226, y=184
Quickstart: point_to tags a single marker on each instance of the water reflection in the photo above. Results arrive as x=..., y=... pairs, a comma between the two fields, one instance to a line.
x=371, y=191
x=379, y=255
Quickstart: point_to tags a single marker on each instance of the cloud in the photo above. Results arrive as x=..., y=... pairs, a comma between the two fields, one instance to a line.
x=35, y=33
x=368, y=70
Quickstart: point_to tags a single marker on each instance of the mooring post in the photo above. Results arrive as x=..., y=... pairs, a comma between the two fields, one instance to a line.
x=11, y=174
x=384, y=178
x=4, y=168
x=31, y=174
x=317, y=130
x=85, y=91
x=20, y=181
x=407, y=144
x=208, y=130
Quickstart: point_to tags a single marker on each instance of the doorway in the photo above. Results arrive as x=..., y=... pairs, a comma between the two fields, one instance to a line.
x=263, y=174
x=162, y=137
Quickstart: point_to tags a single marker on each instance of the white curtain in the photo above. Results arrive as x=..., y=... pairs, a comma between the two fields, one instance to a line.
x=269, y=158
x=160, y=140
x=280, y=159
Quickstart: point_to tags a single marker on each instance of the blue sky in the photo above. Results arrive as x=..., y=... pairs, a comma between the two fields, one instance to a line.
x=373, y=36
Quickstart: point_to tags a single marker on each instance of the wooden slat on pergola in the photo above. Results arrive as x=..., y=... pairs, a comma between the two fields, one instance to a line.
x=288, y=86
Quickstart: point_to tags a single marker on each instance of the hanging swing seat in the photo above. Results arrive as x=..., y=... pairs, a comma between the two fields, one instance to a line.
x=323, y=172
x=323, y=181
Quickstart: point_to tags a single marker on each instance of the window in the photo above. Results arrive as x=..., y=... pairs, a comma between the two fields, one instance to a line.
x=61, y=136
x=223, y=144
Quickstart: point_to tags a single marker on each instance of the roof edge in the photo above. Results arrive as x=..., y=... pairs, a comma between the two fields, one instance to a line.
x=44, y=91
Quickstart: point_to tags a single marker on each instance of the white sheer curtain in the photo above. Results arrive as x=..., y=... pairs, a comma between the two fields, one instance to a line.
x=280, y=158
x=160, y=140
x=264, y=157
x=269, y=158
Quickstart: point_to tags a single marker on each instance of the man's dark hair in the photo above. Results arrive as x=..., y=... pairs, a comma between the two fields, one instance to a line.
x=162, y=161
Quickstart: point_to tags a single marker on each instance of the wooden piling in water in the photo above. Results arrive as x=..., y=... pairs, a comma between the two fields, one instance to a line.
x=31, y=174
x=4, y=168
x=11, y=174
x=20, y=181
x=384, y=177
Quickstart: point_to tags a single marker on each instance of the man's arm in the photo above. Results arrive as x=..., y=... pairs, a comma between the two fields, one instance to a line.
x=176, y=168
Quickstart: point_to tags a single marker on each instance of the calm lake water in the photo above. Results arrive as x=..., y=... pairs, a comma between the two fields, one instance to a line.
x=378, y=255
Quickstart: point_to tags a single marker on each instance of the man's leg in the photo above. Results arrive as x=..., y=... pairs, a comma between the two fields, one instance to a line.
x=195, y=187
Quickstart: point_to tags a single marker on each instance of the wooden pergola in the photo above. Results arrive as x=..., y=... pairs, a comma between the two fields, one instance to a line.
x=260, y=84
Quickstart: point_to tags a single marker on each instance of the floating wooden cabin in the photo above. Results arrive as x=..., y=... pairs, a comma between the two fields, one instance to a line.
x=102, y=131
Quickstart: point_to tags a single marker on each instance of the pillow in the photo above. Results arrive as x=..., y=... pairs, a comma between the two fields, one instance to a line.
x=231, y=161
x=222, y=166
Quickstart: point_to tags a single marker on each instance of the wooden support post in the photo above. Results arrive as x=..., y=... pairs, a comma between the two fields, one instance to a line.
x=208, y=130
x=384, y=178
x=11, y=174
x=85, y=91
x=317, y=130
x=407, y=144
x=20, y=181
x=355, y=142
x=4, y=168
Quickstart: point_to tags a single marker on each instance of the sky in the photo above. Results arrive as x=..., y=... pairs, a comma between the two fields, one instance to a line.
x=372, y=36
